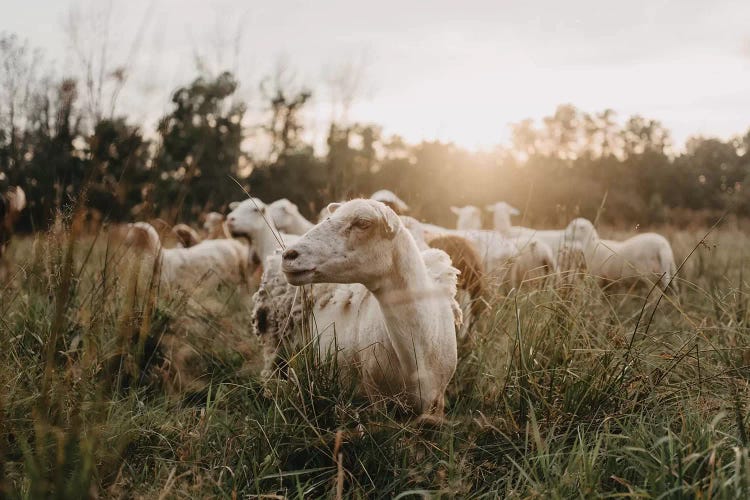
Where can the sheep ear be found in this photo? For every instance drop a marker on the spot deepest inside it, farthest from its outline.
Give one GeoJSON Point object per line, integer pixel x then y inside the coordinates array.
{"type": "Point", "coordinates": [489, 208]}
{"type": "Point", "coordinates": [456, 210]}
{"type": "Point", "coordinates": [513, 211]}
{"type": "Point", "coordinates": [332, 207]}
{"type": "Point", "coordinates": [234, 205]}
{"type": "Point", "coordinates": [390, 222]}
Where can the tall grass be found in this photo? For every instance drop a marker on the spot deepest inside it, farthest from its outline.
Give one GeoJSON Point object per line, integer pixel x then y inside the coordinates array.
{"type": "Point", "coordinates": [116, 387]}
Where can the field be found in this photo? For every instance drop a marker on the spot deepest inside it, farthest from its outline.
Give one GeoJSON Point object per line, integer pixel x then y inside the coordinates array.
{"type": "Point", "coordinates": [114, 388]}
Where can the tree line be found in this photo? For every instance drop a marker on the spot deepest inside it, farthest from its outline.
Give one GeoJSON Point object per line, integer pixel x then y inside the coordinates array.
{"type": "Point", "coordinates": [567, 164]}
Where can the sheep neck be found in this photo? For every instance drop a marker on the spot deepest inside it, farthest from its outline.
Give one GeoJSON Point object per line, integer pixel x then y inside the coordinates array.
{"type": "Point", "coordinates": [409, 320]}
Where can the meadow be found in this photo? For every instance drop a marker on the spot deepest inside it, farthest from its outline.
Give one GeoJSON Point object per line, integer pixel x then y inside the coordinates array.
{"type": "Point", "coordinates": [115, 388]}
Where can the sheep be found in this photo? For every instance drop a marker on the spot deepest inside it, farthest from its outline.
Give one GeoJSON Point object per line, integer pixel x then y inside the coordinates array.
{"type": "Point", "coordinates": [501, 214]}
{"type": "Point", "coordinates": [186, 235]}
{"type": "Point", "coordinates": [250, 218]}
{"type": "Point", "coordinates": [636, 259]}
{"type": "Point", "coordinates": [11, 206]}
{"type": "Point", "coordinates": [215, 226]}
{"type": "Point", "coordinates": [390, 199]}
{"type": "Point", "coordinates": [386, 309]}
{"type": "Point", "coordinates": [287, 218]}
{"type": "Point", "coordinates": [210, 262]}
{"type": "Point", "coordinates": [469, 218]}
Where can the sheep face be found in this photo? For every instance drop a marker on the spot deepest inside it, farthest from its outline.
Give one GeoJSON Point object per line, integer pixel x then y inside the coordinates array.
{"type": "Point", "coordinates": [582, 230]}
{"type": "Point", "coordinates": [469, 217]}
{"type": "Point", "coordinates": [247, 217]}
{"type": "Point", "coordinates": [284, 213]}
{"type": "Point", "coordinates": [353, 245]}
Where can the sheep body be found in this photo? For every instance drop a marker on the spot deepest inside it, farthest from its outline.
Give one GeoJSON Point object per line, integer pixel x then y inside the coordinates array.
{"type": "Point", "coordinates": [641, 257]}
{"type": "Point", "coordinates": [210, 262]}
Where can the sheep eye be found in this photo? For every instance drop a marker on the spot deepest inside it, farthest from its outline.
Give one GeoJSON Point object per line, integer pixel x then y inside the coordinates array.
{"type": "Point", "coordinates": [362, 223]}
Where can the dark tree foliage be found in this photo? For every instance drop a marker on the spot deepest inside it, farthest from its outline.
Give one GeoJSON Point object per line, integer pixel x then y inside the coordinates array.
{"type": "Point", "coordinates": [200, 150]}
{"type": "Point", "coordinates": [567, 164]}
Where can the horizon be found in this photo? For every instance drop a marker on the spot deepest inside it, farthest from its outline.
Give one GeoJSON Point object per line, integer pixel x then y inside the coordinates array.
{"type": "Point", "coordinates": [454, 74]}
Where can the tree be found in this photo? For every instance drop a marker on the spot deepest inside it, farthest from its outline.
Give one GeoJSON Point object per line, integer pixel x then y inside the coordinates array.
{"type": "Point", "coordinates": [201, 146]}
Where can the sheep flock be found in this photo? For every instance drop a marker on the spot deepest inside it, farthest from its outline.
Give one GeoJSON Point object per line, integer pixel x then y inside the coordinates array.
{"type": "Point", "coordinates": [392, 296]}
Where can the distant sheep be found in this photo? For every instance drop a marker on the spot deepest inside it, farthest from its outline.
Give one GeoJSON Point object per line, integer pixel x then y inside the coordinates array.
{"type": "Point", "coordinates": [209, 262]}
{"type": "Point", "coordinates": [643, 257]}
{"type": "Point", "coordinates": [287, 218]}
{"type": "Point", "coordinates": [251, 218]}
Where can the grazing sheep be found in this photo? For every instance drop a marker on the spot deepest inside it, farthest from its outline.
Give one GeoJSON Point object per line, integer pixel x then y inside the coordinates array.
{"type": "Point", "coordinates": [209, 262]}
{"type": "Point", "coordinates": [505, 260]}
{"type": "Point", "coordinates": [469, 218]}
{"type": "Point", "coordinates": [186, 235]}
{"type": "Point", "coordinates": [287, 218]}
{"type": "Point", "coordinates": [501, 213]}
{"type": "Point", "coordinates": [640, 258]}
{"type": "Point", "coordinates": [250, 218]}
{"type": "Point", "coordinates": [215, 226]}
{"type": "Point", "coordinates": [391, 319]}
{"type": "Point", "coordinates": [390, 199]}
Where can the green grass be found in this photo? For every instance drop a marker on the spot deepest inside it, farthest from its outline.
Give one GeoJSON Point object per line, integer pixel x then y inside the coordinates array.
{"type": "Point", "coordinates": [114, 388]}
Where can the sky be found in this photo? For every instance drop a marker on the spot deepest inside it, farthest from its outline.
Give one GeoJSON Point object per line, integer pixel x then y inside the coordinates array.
{"type": "Point", "coordinates": [428, 70]}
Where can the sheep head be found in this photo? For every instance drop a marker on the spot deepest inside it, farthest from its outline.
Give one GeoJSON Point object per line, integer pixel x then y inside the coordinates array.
{"type": "Point", "coordinates": [353, 245]}
{"type": "Point", "coordinates": [247, 217]}
{"type": "Point", "coordinates": [581, 230]}
{"type": "Point", "coordinates": [284, 213]}
{"type": "Point", "coordinates": [469, 217]}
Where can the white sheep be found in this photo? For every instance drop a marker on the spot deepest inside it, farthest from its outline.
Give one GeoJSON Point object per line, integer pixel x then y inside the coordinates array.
{"type": "Point", "coordinates": [251, 219]}
{"type": "Point", "coordinates": [640, 258]}
{"type": "Point", "coordinates": [287, 218]}
{"type": "Point", "coordinates": [501, 214]}
{"type": "Point", "coordinates": [390, 199]}
{"type": "Point", "coordinates": [533, 259]}
{"type": "Point", "coordinates": [391, 319]}
{"type": "Point", "coordinates": [469, 218]}
{"type": "Point", "coordinates": [209, 263]}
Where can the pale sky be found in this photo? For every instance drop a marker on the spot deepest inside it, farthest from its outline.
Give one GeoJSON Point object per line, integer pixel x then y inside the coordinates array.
{"type": "Point", "coordinates": [456, 71]}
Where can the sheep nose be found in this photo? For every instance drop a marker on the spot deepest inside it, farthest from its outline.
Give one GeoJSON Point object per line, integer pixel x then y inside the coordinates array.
{"type": "Point", "coordinates": [290, 254]}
